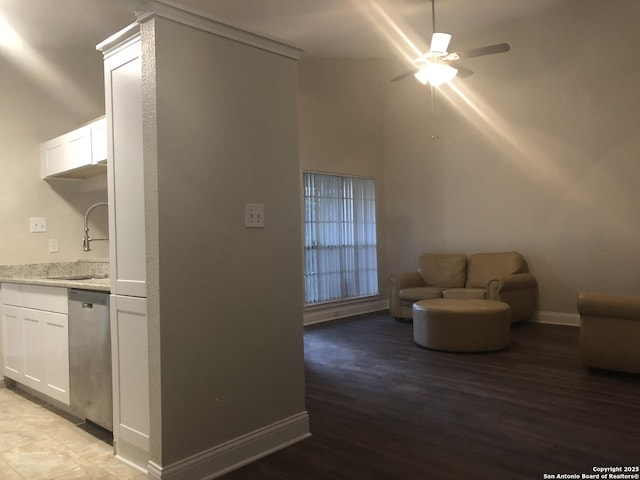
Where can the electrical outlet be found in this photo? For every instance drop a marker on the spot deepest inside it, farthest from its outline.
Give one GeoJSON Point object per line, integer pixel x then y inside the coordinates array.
{"type": "Point", "coordinates": [53, 245]}
{"type": "Point", "coordinates": [254, 215]}
{"type": "Point", "coordinates": [37, 224]}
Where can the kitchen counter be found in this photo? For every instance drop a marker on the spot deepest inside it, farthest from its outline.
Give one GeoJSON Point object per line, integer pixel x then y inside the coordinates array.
{"type": "Point", "coordinates": [101, 284]}
{"type": "Point", "coordinates": [82, 274]}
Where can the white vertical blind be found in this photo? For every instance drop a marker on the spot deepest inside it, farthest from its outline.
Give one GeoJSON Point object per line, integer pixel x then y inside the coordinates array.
{"type": "Point", "coordinates": [340, 238]}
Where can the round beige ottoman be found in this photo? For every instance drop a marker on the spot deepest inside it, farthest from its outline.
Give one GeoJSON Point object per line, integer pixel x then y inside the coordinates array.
{"type": "Point", "coordinates": [462, 325]}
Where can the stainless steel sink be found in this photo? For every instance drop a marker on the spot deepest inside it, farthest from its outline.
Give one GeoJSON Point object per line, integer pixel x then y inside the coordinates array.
{"type": "Point", "coordinates": [78, 277]}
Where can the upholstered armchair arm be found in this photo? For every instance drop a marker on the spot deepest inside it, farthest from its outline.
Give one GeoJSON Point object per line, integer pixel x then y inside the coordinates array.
{"type": "Point", "coordinates": [510, 282]}
{"type": "Point", "coordinates": [606, 305]}
{"type": "Point", "coordinates": [519, 290]}
{"type": "Point", "coordinates": [398, 281]}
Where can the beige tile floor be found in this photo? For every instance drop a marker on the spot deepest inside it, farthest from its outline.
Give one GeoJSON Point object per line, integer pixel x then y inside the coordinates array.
{"type": "Point", "coordinates": [36, 443]}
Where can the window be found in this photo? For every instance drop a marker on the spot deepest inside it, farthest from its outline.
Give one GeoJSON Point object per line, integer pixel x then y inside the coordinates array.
{"type": "Point", "coordinates": [340, 238]}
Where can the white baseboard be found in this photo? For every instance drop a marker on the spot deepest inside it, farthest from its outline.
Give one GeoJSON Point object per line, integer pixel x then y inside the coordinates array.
{"type": "Point", "coordinates": [130, 454]}
{"type": "Point", "coordinates": [240, 451]}
{"type": "Point", "coordinates": [342, 310]}
{"type": "Point", "coordinates": [557, 318]}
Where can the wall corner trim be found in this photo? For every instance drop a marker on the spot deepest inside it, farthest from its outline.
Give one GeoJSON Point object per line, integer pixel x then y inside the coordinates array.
{"type": "Point", "coordinates": [217, 461]}
{"type": "Point", "coordinates": [177, 12]}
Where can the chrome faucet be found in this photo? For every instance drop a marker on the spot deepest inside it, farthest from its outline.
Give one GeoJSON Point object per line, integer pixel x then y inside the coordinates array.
{"type": "Point", "coordinates": [86, 242]}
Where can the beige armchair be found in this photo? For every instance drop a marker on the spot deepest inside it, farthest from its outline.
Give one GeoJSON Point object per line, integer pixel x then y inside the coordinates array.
{"type": "Point", "coordinates": [500, 276]}
{"type": "Point", "coordinates": [436, 273]}
{"type": "Point", "coordinates": [610, 331]}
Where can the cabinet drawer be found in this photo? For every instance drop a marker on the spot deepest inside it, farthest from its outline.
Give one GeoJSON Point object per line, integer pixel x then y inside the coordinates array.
{"type": "Point", "coordinates": [51, 299]}
{"type": "Point", "coordinates": [11, 294]}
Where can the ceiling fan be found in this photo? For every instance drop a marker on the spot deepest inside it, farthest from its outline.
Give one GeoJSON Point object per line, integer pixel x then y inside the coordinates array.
{"type": "Point", "coordinates": [439, 66]}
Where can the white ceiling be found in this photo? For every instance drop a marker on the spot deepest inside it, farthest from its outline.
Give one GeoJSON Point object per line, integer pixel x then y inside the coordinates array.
{"type": "Point", "coordinates": [334, 28]}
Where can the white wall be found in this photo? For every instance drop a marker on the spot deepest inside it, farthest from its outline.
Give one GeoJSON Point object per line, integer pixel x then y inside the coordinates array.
{"type": "Point", "coordinates": [542, 159]}
{"type": "Point", "coordinates": [39, 104]}
{"type": "Point", "coordinates": [340, 118]}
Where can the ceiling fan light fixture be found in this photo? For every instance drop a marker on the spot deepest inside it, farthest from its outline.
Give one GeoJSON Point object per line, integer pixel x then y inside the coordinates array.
{"type": "Point", "coordinates": [436, 74]}
{"type": "Point", "coordinates": [433, 67]}
{"type": "Point", "coordinates": [423, 75]}
{"type": "Point", "coordinates": [441, 74]}
{"type": "Point", "coordinates": [440, 43]}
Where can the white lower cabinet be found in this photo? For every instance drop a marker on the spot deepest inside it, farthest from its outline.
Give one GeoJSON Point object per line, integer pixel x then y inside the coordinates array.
{"type": "Point", "coordinates": [36, 339]}
{"type": "Point", "coordinates": [130, 366]}
{"type": "Point", "coordinates": [12, 342]}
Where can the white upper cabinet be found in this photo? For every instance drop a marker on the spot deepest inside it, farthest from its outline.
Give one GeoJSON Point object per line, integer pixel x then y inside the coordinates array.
{"type": "Point", "coordinates": [80, 153]}
{"type": "Point", "coordinates": [99, 141]}
{"type": "Point", "coordinates": [123, 73]}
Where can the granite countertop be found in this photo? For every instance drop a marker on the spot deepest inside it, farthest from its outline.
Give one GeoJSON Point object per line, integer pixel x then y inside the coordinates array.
{"type": "Point", "coordinates": [82, 274]}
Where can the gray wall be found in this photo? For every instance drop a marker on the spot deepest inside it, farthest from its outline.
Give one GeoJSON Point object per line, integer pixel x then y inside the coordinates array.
{"type": "Point", "coordinates": [225, 307]}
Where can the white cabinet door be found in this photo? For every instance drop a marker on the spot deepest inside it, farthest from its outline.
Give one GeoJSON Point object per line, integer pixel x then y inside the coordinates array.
{"type": "Point", "coordinates": [78, 148]}
{"type": "Point", "coordinates": [34, 349]}
{"type": "Point", "coordinates": [130, 367]}
{"type": "Point", "coordinates": [99, 141]}
{"type": "Point", "coordinates": [12, 341]}
{"type": "Point", "coordinates": [125, 172]}
{"type": "Point", "coordinates": [56, 348]}
{"type": "Point", "coordinates": [52, 157]}
{"type": "Point", "coordinates": [45, 337]}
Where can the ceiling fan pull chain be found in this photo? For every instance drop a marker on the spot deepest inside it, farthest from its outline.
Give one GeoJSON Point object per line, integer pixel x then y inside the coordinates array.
{"type": "Point", "coordinates": [434, 100]}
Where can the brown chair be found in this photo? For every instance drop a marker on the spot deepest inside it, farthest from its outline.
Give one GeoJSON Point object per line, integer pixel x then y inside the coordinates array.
{"type": "Point", "coordinates": [610, 331]}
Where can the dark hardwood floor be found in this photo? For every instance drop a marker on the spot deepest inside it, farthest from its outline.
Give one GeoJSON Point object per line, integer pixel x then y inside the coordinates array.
{"type": "Point", "coordinates": [383, 408]}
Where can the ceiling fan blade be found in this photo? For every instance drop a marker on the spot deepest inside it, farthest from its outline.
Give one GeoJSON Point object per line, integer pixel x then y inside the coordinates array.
{"type": "Point", "coordinates": [463, 72]}
{"type": "Point", "coordinates": [487, 50]}
{"type": "Point", "coordinates": [404, 75]}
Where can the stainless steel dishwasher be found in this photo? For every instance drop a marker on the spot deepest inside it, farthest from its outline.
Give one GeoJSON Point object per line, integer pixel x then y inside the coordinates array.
{"type": "Point", "coordinates": [90, 388]}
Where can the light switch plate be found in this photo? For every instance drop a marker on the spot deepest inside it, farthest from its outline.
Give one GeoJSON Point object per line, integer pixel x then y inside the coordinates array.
{"type": "Point", "coordinates": [53, 245]}
{"type": "Point", "coordinates": [254, 215]}
{"type": "Point", "coordinates": [37, 224]}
